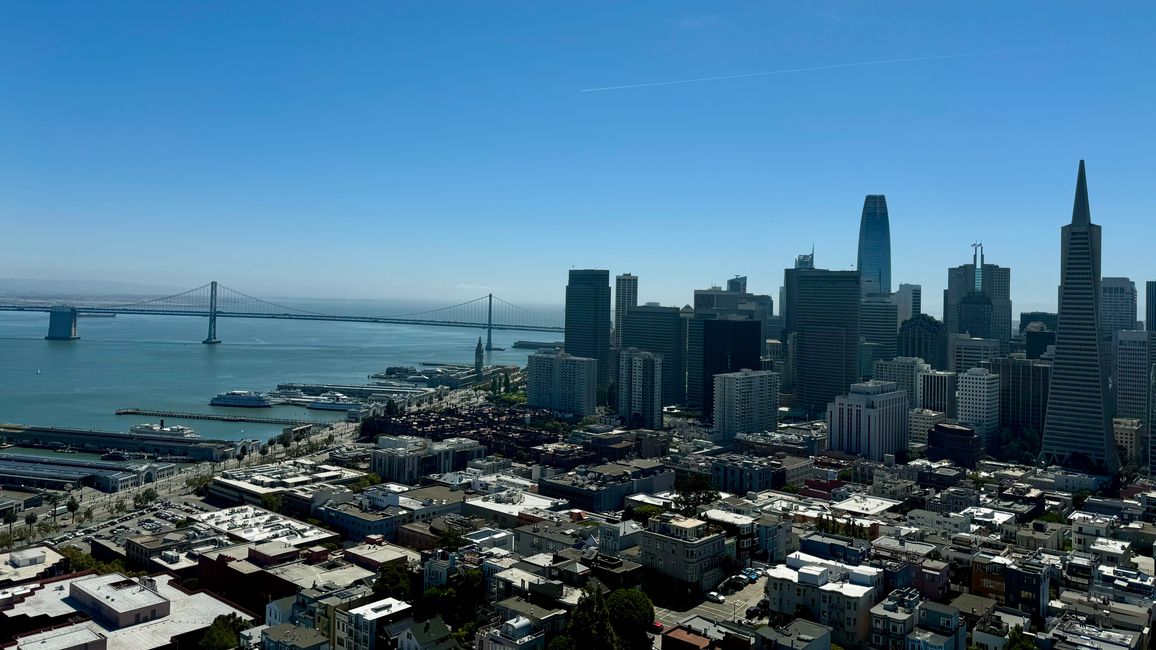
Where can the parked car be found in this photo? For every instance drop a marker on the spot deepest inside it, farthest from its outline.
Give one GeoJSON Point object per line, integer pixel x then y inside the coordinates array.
{"type": "Point", "coordinates": [656, 627]}
{"type": "Point", "coordinates": [754, 611]}
{"type": "Point", "coordinates": [715, 597]}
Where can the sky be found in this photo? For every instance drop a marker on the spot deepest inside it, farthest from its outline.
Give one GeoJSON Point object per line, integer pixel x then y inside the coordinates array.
{"type": "Point", "coordinates": [443, 150]}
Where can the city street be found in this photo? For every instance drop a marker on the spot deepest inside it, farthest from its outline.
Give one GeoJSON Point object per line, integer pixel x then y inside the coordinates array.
{"type": "Point", "coordinates": [733, 609]}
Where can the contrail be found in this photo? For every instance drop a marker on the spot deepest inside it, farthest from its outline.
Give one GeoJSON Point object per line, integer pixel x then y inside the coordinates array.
{"type": "Point", "coordinates": [816, 68]}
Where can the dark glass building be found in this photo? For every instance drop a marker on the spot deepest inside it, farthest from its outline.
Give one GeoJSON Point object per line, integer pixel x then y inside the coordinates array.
{"type": "Point", "coordinates": [992, 280]}
{"type": "Point", "coordinates": [588, 318]}
{"type": "Point", "coordinates": [728, 345]}
{"type": "Point", "coordinates": [874, 246]}
{"type": "Point", "coordinates": [924, 337]}
{"type": "Point", "coordinates": [878, 320]}
{"type": "Point", "coordinates": [826, 358]}
{"type": "Point", "coordinates": [1078, 429]}
{"type": "Point", "coordinates": [1023, 392]}
{"type": "Point", "coordinates": [975, 315]}
{"type": "Point", "coordinates": [661, 330]}
{"type": "Point", "coordinates": [954, 442]}
{"type": "Point", "coordinates": [1150, 305]}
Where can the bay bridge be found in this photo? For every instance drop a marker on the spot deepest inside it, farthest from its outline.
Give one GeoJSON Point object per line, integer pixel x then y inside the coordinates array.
{"type": "Point", "coordinates": [213, 301]}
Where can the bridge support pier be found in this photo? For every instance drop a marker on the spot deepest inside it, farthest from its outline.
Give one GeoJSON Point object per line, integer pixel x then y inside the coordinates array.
{"type": "Point", "coordinates": [212, 339]}
{"type": "Point", "coordinates": [62, 324]}
{"type": "Point", "coordinates": [490, 324]}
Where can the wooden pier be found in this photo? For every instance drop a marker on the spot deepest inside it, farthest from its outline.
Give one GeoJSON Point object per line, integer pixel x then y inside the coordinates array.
{"type": "Point", "coordinates": [214, 416]}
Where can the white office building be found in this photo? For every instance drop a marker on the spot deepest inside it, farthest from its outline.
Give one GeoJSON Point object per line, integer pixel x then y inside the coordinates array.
{"type": "Point", "coordinates": [746, 401]}
{"type": "Point", "coordinates": [977, 400]}
{"type": "Point", "coordinates": [965, 352]}
{"type": "Point", "coordinates": [870, 421]}
{"type": "Point", "coordinates": [921, 421]}
{"type": "Point", "coordinates": [1133, 374]}
{"type": "Point", "coordinates": [937, 391]}
{"type": "Point", "coordinates": [904, 371]}
{"type": "Point", "coordinates": [561, 382]}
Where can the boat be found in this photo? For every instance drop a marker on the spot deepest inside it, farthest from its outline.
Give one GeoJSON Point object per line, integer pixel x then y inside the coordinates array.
{"type": "Point", "coordinates": [286, 393]}
{"type": "Point", "coordinates": [333, 401]}
{"type": "Point", "coordinates": [241, 399]}
{"type": "Point", "coordinates": [173, 431]}
{"type": "Point", "coordinates": [123, 455]}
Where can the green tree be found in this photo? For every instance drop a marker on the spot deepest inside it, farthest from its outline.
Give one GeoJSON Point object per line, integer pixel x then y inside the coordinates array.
{"type": "Point", "coordinates": [199, 484]}
{"type": "Point", "coordinates": [642, 514]}
{"type": "Point", "coordinates": [54, 500]}
{"type": "Point", "coordinates": [1017, 640]}
{"type": "Point", "coordinates": [395, 581]}
{"type": "Point", "coordinates": [560, 642]}
{"type": "Point", "coordinates": [120, 505]}
{"type": "Point", "coordinates": [271, 501]}
{"type": "Point", "coordinates": [73, 505]}
{"type": "Point", "coordinates": [224, 633]}
{"type": "Point", "coordinates": [10, 518]}
{"type": "Point", "coordinates": [692, 491]}
{"type": "Point", "coordinates": [631, 614]}
{"type": "Point", "coordinates": [590, 623]}
{"type": "Point", "coordinates": [6, 540]}
{"type": "Point", "coordinates": [30, 519]}
{"type": "Point", "coordinates": [88, 515]}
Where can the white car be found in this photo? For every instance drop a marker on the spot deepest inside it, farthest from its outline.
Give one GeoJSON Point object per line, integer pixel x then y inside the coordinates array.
{"type": "Point", "coordinates": [716, 597]}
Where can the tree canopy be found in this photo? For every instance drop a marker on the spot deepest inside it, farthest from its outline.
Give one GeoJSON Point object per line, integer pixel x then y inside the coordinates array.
{"type": "Point", "coordinates": [590, 623]}
{"type": "Point", "coordinates": [223, 633]}
{"type": "Point", "coordinates": [631, 614]}
{"type": "Point", "coordinates": [693, 491]}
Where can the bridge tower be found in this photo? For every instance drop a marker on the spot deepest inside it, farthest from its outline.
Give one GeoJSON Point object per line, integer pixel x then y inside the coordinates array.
{"type": "Point", "coordinates": [212, 339]}
{"type": "Point", "coordinates": [490, 324]}
{"type": "Point", "coordinates": [62, 324]}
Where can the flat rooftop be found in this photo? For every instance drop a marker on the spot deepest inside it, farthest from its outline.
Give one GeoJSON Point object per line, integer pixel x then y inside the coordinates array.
{"type": "Point", "coordinates": [118, 592]}
{"type": "Point", "coordinates": [253, 524]}
{"type": "Point", "coordinates": [380, 608]}
{"type": "Point", "coordinates": [42, 557]}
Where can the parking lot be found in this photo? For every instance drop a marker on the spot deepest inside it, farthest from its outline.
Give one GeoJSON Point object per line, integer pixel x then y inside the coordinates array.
{"type": "Point", "coordinates": [734, 609]}
{"type": "Point", "coordinates": [158, 518]}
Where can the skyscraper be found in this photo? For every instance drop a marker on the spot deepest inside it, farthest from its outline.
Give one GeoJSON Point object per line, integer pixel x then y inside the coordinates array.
{"type": "Point", "coordinates": [746, 401]}
{"type": "Point", "coordinates": [869, 421]}
{"type": "Point", "coordinates": [789, 307]}
{"type": "Point", "coordinates": [1150, 306]}
{"type": "Point", "coordinates": [992, 280]}
{"type": "Point", "coordinates": [1078, 430]}
{"type": "Point", "coordinates": [826, 358]}
{"type": "Point", "coordinates": [561, 382]}
{"type": "Point", "coordinates": [588, 319]}
{"type": "Point", "coordinates": [908, 302]}
{"type": "Point", "coordinates": [904, 371]}
{"type": "Point", "coordinates": [728, 345]}
{"type": "Point", "coordinates": [874, 246]}
{"type": "Point", "coordinates": [737, 284]}
{"type": "Point", "coordinates": [1133, 368]}
{"type": "Point", "coordinates": [640, 388]}
{"type": "Point", "coordinates": [937, 392]}
{"type": "Point", "coordinates": [924, 337]}
{"type": "Point", "coordinates": [625, 298]}
{"type": "Point", "coordinates": [877, 326]}
{"type": "Point", "coordinates": [977, 401]}
{"type": "Point", "coordinates": [965, 352]}
{"type": "Point", "coordinates": [661, 330]}
{"type": "Point", "coordinates": [1117, 305]}
{"type": "Point", "coordinates": [1023, 392]}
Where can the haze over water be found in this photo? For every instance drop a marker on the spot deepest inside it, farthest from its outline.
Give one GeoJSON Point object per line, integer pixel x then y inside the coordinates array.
{"type": "Point", "coordinates": [159, 362]}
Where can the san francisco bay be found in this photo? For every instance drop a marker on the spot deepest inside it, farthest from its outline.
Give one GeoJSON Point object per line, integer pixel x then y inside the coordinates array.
{"type": "Point", "coordinates": [159, 363]}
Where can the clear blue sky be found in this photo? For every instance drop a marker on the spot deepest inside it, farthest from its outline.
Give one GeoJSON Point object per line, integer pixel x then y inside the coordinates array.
{"type": "Point", "coordinates": [413, 149]}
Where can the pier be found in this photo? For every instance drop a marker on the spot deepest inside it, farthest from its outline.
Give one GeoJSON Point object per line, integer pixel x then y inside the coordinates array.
{"type": "Point", "coordinates": [219, 418]}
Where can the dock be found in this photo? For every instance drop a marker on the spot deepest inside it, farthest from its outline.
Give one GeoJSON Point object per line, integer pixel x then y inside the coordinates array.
{"type": "Point", "coordinates": [219, 418]}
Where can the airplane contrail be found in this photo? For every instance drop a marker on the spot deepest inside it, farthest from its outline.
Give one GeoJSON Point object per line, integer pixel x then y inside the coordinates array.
{"type": "Point", "coordinates": [816, 68]}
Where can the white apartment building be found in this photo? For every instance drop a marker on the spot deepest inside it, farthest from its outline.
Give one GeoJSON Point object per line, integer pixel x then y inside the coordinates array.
{"type": "Point", "coordinates": [836, 595]}
{"type": "Point", "coordinates": [746, 401]}
{"type": "Point", "coordinates": [562, 382]}
{"type": "Point", "coordinates": [640, 388]}
{"type": "Point", "coordinates": [977, 402]}
{"type": "Point", "coordinates": [870, 421]}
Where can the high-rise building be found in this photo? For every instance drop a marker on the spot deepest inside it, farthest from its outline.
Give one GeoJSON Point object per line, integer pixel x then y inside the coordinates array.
{"type": "Point", "coordinates": [977, 403]}
{"type": "Point", "coordinates": [992, 280]}
{"type": "Point", "coordinates": [905, 372]}
{"type": "Point", "coordinates": [789, 308]}
{"type": "Point", "coordinates": [877, 327]}
{"type": "Point", "coordinates": [661, 330]}
{"type": "Point", "coordinates": [965, 353]}
{"type": "Point", "coordinates": [1117, 305]}
{"type": "Point", "coordinates": [562, 382]}
{"type": "Point", "coordinates": [937, 391]}
{"type": "Point", "coordinates": [924, 337]}
{"type": "Point", "coordinates": [640, 388]}
{"type": "Point", "coordinates": [1129, 435]}
{"type": "Point", "coordinates": [1150, 306]}
{"type": "Point", "coordinates": [728, 345]}
{"type": "Point", "coordinates": [727, 303]}
{"type": "Point", "coordinates": [746, 401]}
{"type": "Point", "coordinates": [874, 246]}
{"type": "Point", "coordinates": [1023, 392]}
{"type": "Point", "coordinates": [1047, 318]}
{"type": "Point", "coordinates": [908, 302]}
{"type": "Point", "coordinates": [976, 315]}
{"type": "Point", "coordinates": [1133, 371]}
{"type": "Point", "coordinates": [869, 421]}
{"type": "Point", "coordinates": [921, 422]}
{"type": "Point", "coordinates": [827, 337]}
{"type": "Point", "coordinates": [1078, 429]}
{"type": "Point", "coordinates": [959, 443]}
{"type": "Point", "coordinates": [588, 319]}
{"type": "Point", "coordinates": [737, 284]}
{"type": "Point", "coordinates": [625, 299]}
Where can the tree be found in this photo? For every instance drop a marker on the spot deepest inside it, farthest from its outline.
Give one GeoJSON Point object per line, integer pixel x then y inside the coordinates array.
{"type": "Point", "coordinates": [271, 501]}
{"type": "Point", "coordinates": [30, 519]}
{"type": "Point", "coordinates": [560, 642]}
{"type": "Point", "coordinates": [55, 501]}
{"type": "Point", "coordinates": [590, 623]}
{"type": "Point", "coordinates": [10, 518]}
{"type": "Point", "coordinates": [6, 540]}
{"type": "Point", "coordinates": [199, 484]}
{"type": "Point", "coordinates": [88, 515]}
{"type": "Point", "coordinates": [1017, 640]}
{"type": "Point", "coordinates": [368, 481]}
{"type": "Point", "coordinates": [73, 506]}
{"type": "Point", "coordinates": [692, 491]}
{"type": "Point", "coordinates": [119, 506]}
{"type": "Point", "coordinates": [631, 614]}
{"type": "Point", "coordinates": [642, 514]}
{"type": "Point", "coordinates": [223, 633]}
{"type": "Point", "coordinates": [395, 581]}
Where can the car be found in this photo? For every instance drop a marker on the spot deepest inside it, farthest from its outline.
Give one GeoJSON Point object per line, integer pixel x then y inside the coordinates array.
{"type": "Point", "coordinates": [754, 611]}
{"type": "Point", "coordinates": [656, 627]}
{"type": "Point", "coordinates": [716, 597]}
{"type": "Point", "coordinates": [752, 575]}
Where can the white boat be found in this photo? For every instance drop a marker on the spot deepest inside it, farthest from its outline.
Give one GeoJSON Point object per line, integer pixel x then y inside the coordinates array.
{"type": "Point", "coordinates": [174, 431]}
{"type": "Point", "coordinates": [241, 398]}
{"type": "Point", "coordinates": [333, 401]}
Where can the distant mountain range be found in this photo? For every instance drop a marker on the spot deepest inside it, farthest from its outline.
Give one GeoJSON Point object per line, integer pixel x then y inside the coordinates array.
{"type": "Point", "coordinates": [37, 288]}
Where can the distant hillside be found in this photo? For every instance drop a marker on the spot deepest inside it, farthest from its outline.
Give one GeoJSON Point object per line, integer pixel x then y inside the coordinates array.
{"type": "Point", "coordinates": [35, 288]}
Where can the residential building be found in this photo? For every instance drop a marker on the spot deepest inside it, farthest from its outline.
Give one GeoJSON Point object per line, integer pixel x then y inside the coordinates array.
{"type": "Point", "coordinates": [625, 299]}
{"type": "Point", "coordinates": [924, 337]}
{"type": "Point", "coordinates": [588, 320]}
{"type": "Point", "coordinates": [960, 444]}
{"type": "Point", "coordinates": [684, 552]}
{"type": "Point", "coordinates": [870, 421]}
{"type": "Point", "coordinates": [603, 488]}
{"type": "Point", "coordinates": [363, 627]}
{"type": "Point", "coordinates": [937, 392]}
{"type": "Point", "coordinates": [799, 634]}
{"type": "Point", "coordinates": [940, 627]}
{"type": "Point", "coordinates": [1023, 392]}
{"type": "Point", "coordinates": [1078, 431]}
{"type": "Point", "coordinates": [893, 618]}
{"type": "Point", "coordinates": [904, 371]}
{"type": "Point", "coordinates": [977, 403]}
{"type": "Point", "coordinates": [826, 354]}
{"type": "Point", "coordinates": [921, 421]}
{"type": "Point", "coordinates": [433, 634]}
{"type": "Point", "coordinates": [407, 459]}
{"type": "Point", "coordinates": [990, 280]}
{"type": "Point", "coordinates": [562, 382]}
{"type": "Point", "coordinates": [1117, 305]}
{"type": "Point", "coordinates": [517, 633]}
{"type": "Point", "coordinates": [874, 263]}
{"type": "Point", "coordinates": [640, 388]}
{"type": "Point", "coordinates": [832, 594]}
{"type": "Point", "coordinates": [662, 331]}
{"type": "Point", "coordinates": [746, 401]}
{"type": "Point", "coordinates": [908, 303]}
{"type": "Point", "coordinates": [289, 636]}
{"type": "Point", "coordinates": [1130, 435]}
{"type": "Point", "coordinates": [965, 352]}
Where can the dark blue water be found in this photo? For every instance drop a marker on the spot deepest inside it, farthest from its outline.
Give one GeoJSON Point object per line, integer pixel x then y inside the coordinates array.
{"type": "Point", "coordinates": [158, 362]}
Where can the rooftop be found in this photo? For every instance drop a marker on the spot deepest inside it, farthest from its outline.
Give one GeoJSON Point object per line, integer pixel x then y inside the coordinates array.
{"type": "Point", "coordinates": [253, 524]}
{"type": "Point", "coordinates": [862, 504]}
{"type": "Point", "coordinates": [117, 592]}
{"type": "Point", "coordinates": [380, 608]}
